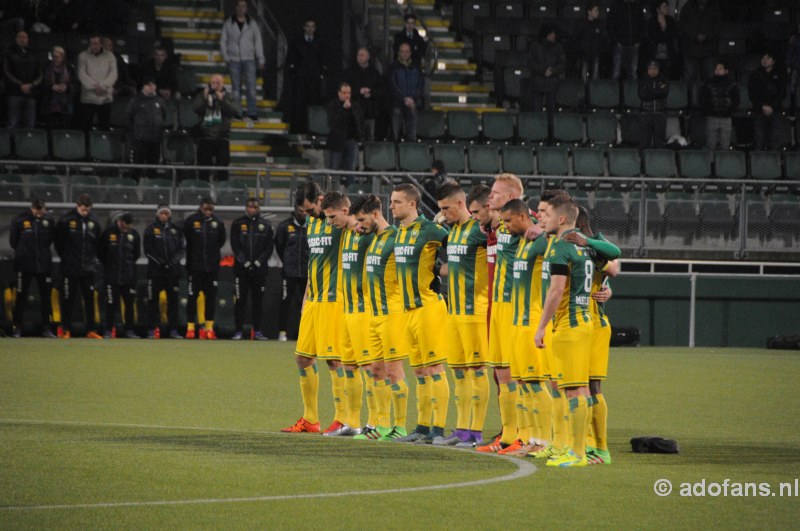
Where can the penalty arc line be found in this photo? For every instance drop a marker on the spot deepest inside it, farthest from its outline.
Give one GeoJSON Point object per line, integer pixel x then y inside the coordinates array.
{"type": "Point", "coordinates": [524, 469]}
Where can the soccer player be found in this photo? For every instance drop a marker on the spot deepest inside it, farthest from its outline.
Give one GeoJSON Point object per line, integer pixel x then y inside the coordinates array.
{"type": "Point", "coordinates": [416, 245]}
{"type": "Point", "coordinates": [468, 302]}
{"type": "Point", "coordinates": [321, 318]}
{"type": "Point", "coordinates": [354, 330]}
{"type": "Point", "coordinates": [477, 200]}
{"type": "Point", "coordinates": [387, 345]}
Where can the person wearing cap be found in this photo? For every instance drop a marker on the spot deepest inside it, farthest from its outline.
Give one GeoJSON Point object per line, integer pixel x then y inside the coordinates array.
{"type": "Point", "coordinates": [205, 236]}
{"type": "Point", "coordinates": [147, 117]}
{"type": "Point", "coordinates": [252, 241]}
{"type": "Point", "coordinates": [164, 248]}
{"type": "Point", "coordinates": [653, 89]}
{"type": "Point", "coordinates": [118, 250]}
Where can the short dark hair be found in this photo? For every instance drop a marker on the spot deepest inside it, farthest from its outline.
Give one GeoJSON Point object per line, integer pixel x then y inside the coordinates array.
{"type": "Point", "coordinates": [583, 221]}
{"type": "Point", "coordinates": [411, 191]}
{"type": "Point", "coordinates": [84, 200]}
{"type": "Point", "coordinates": [308, 191]}
{"type": "Point", "coordinates": [365, 203]}
{"type": "Point", "coordinates": [547, 195]}
{"type": "Point", "coordinates": [342, 84]}
{"type": "Point", "coordinates": [448, 189]}
{"type": "Point", "coordinates": [206, 200]}
{"type": "Point", "coordinates": [592, 4]}
{"type": "Point", "coordinates": [37, 203]}
{"type": "Point", "coordinates": [516, 206]}
{"type": "Point", "coordinates": [439, 166]}
{"type": "Point", "coordinates": [252, 200]}
{"type": "Point", "coordinates": [479, 193]}
{"type": "Point", "coordinates": [408, 16]}
{"type": "Point", "coordinates": [334, 200]}
{"type": "Point", "coordinates": [126, 218]}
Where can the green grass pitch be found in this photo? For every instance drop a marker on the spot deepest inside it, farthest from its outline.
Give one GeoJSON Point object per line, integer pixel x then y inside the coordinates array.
{"type": "Point", "coordinates": [111, 433]}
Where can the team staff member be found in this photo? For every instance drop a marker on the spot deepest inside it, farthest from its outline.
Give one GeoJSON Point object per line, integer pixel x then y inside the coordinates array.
{"type": "Point", "coordinates": [164, 247]}
{"type": "Point", "coordinates": [252, 241]}
{"type": "Point", "coordinates": [32, 233]}
{"type": "Point", "coordinates": [77, 236]}
{"type": "Point", "coordinates": [119, 249]}
{"type": "Point", "coordinates": [205, 236]}
{"type": "Point", "coordinates": [292, 246]}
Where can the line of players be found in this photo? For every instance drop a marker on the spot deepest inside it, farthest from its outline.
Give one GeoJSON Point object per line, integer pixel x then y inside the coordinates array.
{"type": "Point", "coordinates": [525, 297]}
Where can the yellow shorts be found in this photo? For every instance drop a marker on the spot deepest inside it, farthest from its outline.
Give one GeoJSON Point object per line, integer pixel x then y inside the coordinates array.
{"type": "Point", "coordinates": [528, 363]}
{"type": "Point", "coordinates": [386, 339]}
{"type": "Point", "coordinates": [467, 341]}
{"type": "Point", "coordinates": [500, 341]}
{"type": "Point", "coordinates": [320, 326]}
{"type": "Point", "coordinates": [355, 330]}
{"type": "Point", "coordinates": [424, 332]}
{"type": "Point", "coordinates": [598, 361]}
{"type": "Point", "coordinates": [572, 349]}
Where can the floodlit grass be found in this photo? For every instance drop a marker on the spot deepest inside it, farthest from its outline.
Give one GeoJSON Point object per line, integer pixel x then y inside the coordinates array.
{"type": "Point", "coordinates": [91, 422]}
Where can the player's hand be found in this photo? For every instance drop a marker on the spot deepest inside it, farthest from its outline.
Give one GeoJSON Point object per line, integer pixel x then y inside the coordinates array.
{"type": "Point", "coordinates": [539, 339]}
{"type": "Point", "coordinates": [602, 296]}
{"type": "Point", "coordinates": [533, 232]}
{"type": "Point", "coordinates": [574, 237]}
{"type": "Point", "coordinates": [439, 218]}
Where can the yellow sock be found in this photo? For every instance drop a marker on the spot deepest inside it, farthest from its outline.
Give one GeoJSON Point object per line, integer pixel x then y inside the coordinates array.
{"type": "Point", "coordinates": [440, 399]}
{"type": "Point", "coordinates": [383, 402]}
{"type": "Point", "coordinates": [369, 385]}
{"type": "Point", "coordinates": [591, 441]}
{"type": "Point", "coordinates": [190, 327]}
{"type": "Point", "coordinates": [480, 398]}
{"type": "Point", "coordinates": [424, 406]}
{"type": "Point", "coordinates": [600, 422]}
{"type": "Point", "coordinates": [560, 424]}
{"type": "Point", "coordinates": [578, 411]}
{"type": "Point", "coordinates": [400, 402]}
{"type": "Point", "coordinates": [309, 385]}
{"type": "Point", "coordinates": [523, 430]}
{"type": "Point", "coordinates": [508, 411]}
{"type": "Point", "coordinates": [337, 388]}
{"type": "Point", "coordinates": [543, 411]}
{"type": "Point", "coordinates": [463, 392]}
{"type": "Point", "coordinates": [530, 415]}
{"type": "Point", "coordinates": [209, 325]}
{"type": "Point", "coordinates": [353, 389]}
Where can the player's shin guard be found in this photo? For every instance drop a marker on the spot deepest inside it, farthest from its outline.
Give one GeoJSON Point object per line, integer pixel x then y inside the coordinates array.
{"type": "Point", "coordinates": [480, 399]}
{"type": "Point", "coordinates": [523, 430]}
{"type": "Point", "coordinates": [440, 399]}
{"type": "Point", "coordinates": [369, 390]}
{"type": "Point", "coordinates": [578, 411]}
{"type": "Point", "coordinates": [600, 422]}
{"type": "Point", "coordinates": [400, 402]}
{"type": "Point", "coordinates": [424, 406]}
{"type": "Point", "coordinates": [309, 385]}
{"type": "Point", "coordinates": [508, 411]}
{"type": "Point", "coordinates": [543, 411]}
{"type": "Point", "coordinates": [383, 401]}
{"type": "Point", "coordinates": [463, 396]}
{"type": "Point", "coordinates": [337, 388]}
{"type": "Point", "coordinates": [560, 419]}
{"type": "Point", "coordinates": [353, 387]}
{"type": "Point", "coordinates": [530, 415]}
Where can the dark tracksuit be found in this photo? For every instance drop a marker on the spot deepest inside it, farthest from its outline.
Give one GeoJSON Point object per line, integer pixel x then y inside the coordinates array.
{"type": "Point", "coordinates": [76, 242]}
{"type": "Point", "coordinates": [292, 246]}
{"type": "Point", "coordinates": [164, 247]}
{"type": "Point", "coordinates": [653, 95]}
{"type": "Point", "coordinates": [119, 251]}
{"type": "Point", "coordinates": [205, 236]}
{"type": "Point", "coordinates": [252, 241]}
{"type": "Point", "coordinates": [31, 238]}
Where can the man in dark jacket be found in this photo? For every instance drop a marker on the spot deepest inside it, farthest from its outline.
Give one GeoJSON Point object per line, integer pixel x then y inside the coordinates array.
{"type": "Point", "coordinates": [653, 89]}
{"type": "Point", "coordinates": [164, 247]}
{"type": "Point", "coordinates": [766, 87]}
{"type": "Point", "coordinates": [547, 63]}
{"type": "Point", "coordinates": [699, 28]}
{"type": "Point", "coordinates": [162, 71]}
{"type": "Point", "coordinates": [592, 40]}
{"type": "Point", "coordinates": [346, 124]}
{"type": "Point", "coordinates": [32, 233]}
{"type": "Point", "coordinates": [205, 236]}
{"type": "Point", "coordinates": [367, 89]}
{"type": "Point", "coordinates": [23, 75]}
{"type": "Point", "coordinates": [119, 249]}
{"type": "Point", "coordinates": [216, 109]}
{"type": "Point", "coordinates": [306, 69]}
{"type": "Point", "coordinates": [718, 99]}
{"type": "Point", "coordinates": [626, 27]}
{"type": "Point", "coordinates": [406, 84]}
{"type": "Point", "coordinates": [147, 117]}
{"type": "Point", "coordinates": [410, 35]}
{"type": "Point", "coordinates": [77, 238]}
{"type": "Point", "coordinates": [252, 242]}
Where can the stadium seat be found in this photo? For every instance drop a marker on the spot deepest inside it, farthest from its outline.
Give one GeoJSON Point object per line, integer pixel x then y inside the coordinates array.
{"type": "Point", "coordinates": [84, 184]}
{"type": "Point", "coordinates": [765, 165]}
{"type": "Point", "coordinates": [492, 42]}
{"type": "Point", "coordinates": [509, 9]}
{"type": "Point", "coordinates": [498, 126]}
{"type": "Point", "coordinates": [589, 161]}
{"type": "Point", "coordinates": [463, 125]}
{"type": "Point", "coordinates": [695, 163]}
{"type": "Point", "coordinates": [233, 192]}
{"type": "Point", "coordinates": [791, 161]}
{"type": "Point", "coordinates": [677, 97]}
{"type": "Point", "coordinates": [68, 144]}
{"type": "Point", "coordinates": [601, 128]}
{"type": "Point", "coordinates": [659, 163]}
{"type": "Point", "coordinates": [157, 191]}
{"type": "Point", "coordinates": [414, 156]}
{"type": "Point", "coordinates": [31, 144]}
{"type": "Point", "coordinates": [730, 164]}
{"type": "Point", "coordinates": [191, 191]}
{"type": "Point", "coordinates": [630, 128]}
{"type": "Point", "coordinates": [785, 217]}
{"type": "Point", "coordinates": [107, 146]}
{"type": "Point", "coordinates": [11, 188]}
{"type": "Point", "coordinates": [318, 121]}
{"type": "Point", "coordinates": [512, 81]}
{"type": "Point", "coordinates": [543, 9]}
{"type": "Point", "coordinates": [624, 162]}
{"type": "Point", "coordinates": [5, 144]}
{"type": "Point", "coordinates": [187, 118]}
{"type": "Point", "coordinates": [483, 158]}
{"type": "Point", "coordinates": [532, 126]}
{"type": "Point", "coordinates": [452, 155]}
{"type": "Point", "coordinates": [568, 127]}
{"type": "Point", "coordinates": [379, 156]}
{"type": "Point", "coordinates": [431, 125]}
{"type": "Point", "coordinates": [603, 94]}
{"type": "Point", "coordinates": [119, 112]}
{"type": "Point", "coordinates": [179, 148]}
{"type": "Point", "coordinates": [47, 187]}
{"type": "Point", "coordinates": [472, 10]}
{"type": "Point", "coordinates": [573, 9]}
{"type": "Point", "coordinates": [518, 160]}
{"type": "Point", "coordinates": [552, 160]}
{"type": "Point", "coordinates": [630, 93]}
{"type": "Point", "coordinates": [120, 190]}
{"type": "Point", "coordinates": [571, 94]}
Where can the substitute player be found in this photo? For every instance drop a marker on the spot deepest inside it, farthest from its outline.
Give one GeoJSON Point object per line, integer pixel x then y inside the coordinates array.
{"type": "Point", "coordinates": [468, 303]}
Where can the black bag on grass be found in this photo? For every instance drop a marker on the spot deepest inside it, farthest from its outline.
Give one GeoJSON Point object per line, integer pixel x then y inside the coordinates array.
{"type": "Point", "coordinates": [654, 445]}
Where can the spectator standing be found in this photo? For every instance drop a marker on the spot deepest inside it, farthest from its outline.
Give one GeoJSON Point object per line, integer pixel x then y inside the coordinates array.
{"type": "Point", "coordinates": [306, 70]}
{"type": "Point", "coordinates": [346, 123]}
{"type": "Point", "coordinates": [653, 89]}
{"type": "Point", "coordinates": [252, 242]}
{"type": "Point", "coordinates": [125, 85]}
{"type": "Point", "coordinates": [243, 50]}
{"type": "Point", "coordinates": [592, 39]}
{"type": "Point", "coordinates": [719, 97]}
{"type": "Point", "coordinates": [23, 75]}
{"type": "Point", "coordinates": [97, 73]}
{"type": "Point", "coordinates": [32, 233]}
{"type": "Point", "coordinates": [147, 117]}
{"type": "Point", "coordinates": [766, 88]}
{"type": "Point", "coordinates": [626, 27]}
{"type": "Point", "coordinates": [160, 69]}
{"type": "Point", "coordinates": [59, 91]}
{"type": "Point", "coordinates": [119, 249]}
{"type": "Point", "coordinates": [205, 236]}
{"type": "Point", "coordinates": [367, 89]}
{"type": "Point", "coordinates": [164, 247]}
{"type": "Point", "coordinates": [410, 35]}
{"type": "Point", "coordinates": [216, 110]}
{"type": "Point", "coordinates": [699, 28]}
{"type": "Point", "coordinates": [547, 62]}
{"type": "Point", "coordinates": [77, 237]}
{"type": "Point", "coordinates": [406, 84]}
{"type": "Point", "coordinates": [662, 39]}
